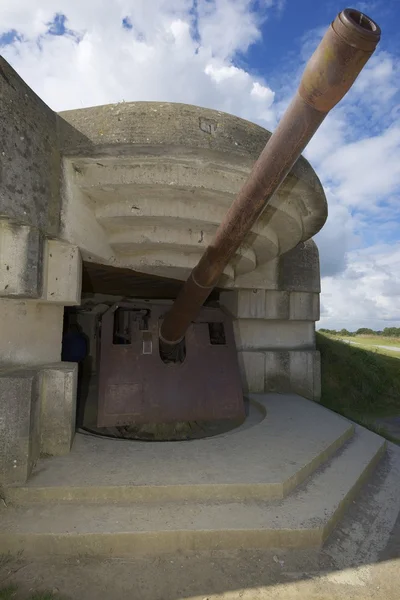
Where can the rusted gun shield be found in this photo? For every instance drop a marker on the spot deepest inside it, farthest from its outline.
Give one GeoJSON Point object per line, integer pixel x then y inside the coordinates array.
{"type": "Point", "coordinates": [136, 386]}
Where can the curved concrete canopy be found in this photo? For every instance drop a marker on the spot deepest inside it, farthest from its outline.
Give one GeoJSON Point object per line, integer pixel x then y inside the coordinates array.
{"type": "Point", "coordinates": [146, 185]}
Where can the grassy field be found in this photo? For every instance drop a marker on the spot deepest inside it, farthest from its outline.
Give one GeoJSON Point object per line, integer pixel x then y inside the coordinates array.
{"type": "Point", "coordinates": [372, 342]}
{"type": "Point", "coordinates": [359, 382]}
{"type": "Point", "coordinates": [375, 340]}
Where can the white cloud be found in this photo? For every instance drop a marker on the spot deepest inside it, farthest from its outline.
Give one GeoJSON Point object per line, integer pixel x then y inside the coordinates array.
{"type": "Point", "coordinates": [366, 294]}
{"type": "Point", "coordinates": [368, 169]}
{"type": "Point", "coordinates": [176, 50]}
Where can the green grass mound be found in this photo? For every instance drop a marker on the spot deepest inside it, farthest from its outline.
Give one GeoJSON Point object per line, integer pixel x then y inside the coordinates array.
{"type": "Point", "coordinates": [356, 382]}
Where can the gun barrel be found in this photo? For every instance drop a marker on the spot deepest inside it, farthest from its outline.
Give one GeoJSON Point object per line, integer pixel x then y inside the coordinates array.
{"type": "Point", "coordinates": [331, 71]}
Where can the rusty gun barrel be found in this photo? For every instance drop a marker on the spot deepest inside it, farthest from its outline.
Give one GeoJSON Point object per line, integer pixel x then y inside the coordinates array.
{"type": "Point", "coordinates": [331, 71]}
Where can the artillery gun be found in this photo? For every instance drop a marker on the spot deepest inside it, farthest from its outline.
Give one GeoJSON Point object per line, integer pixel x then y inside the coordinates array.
{"type": "Point", "coordinates": [164, 364]}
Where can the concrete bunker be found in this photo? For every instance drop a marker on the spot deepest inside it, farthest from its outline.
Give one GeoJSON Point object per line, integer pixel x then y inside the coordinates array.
{"type": "Point", "coordinates": [136, 192]}
{"type": "Point", "coordinates": [124, 201]}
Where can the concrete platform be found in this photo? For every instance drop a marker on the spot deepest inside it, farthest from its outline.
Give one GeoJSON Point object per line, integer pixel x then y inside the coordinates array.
{"type": "Point", "coordinates": [139, 528]}
{"type": "Point", "coordinates": [264, 461]}
{"type": "Point", "coordinates": [284, 482]}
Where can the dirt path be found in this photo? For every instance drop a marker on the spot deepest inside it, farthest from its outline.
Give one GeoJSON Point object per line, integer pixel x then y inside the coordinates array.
{"type": "Point", "coordinates": [228, 576]}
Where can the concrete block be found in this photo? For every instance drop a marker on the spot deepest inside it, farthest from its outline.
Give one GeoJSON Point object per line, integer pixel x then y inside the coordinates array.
{"type": "Point", "coordinates": [58, 408]}
{"type": "Point", "coordinates": [294, 371]}
{"type": "Point", "coordinates": [19, 425]}
{"type": "Point", "coordinates": [30, 157]}
{"type": "Point", "coordinates": [298, 269]}
{"type": "Point", "coordinates": [62, 273]}
{"type": "Point", "coordinates": [277, 371]}
{"type": "Point", "coordinates": [271, 304]}
{"type": "Point", "coordinates": [252, 366]}
{"type": "Point", "coordinates": [244, 304]}
{"type": "Point", "coordinates": [305, 374]}
{"type": "Point", "coordinates": [304, 306]}
{"type": "Point", "coordinates": [31, 332]}
{"type": "Point", "coordinates": [257, 334]}
{"type": "Point", "coordinates": [276, 305]}
{"type": "Point", "coordinates": [20, 260]}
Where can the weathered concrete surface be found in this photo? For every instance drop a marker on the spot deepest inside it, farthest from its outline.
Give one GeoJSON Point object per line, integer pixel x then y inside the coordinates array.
{"type": "Point", "coordinates": [19, 424]}
{"type": "Point", "coordinates": [295, 371]}
{"type": "Point", "coordinates": [32, 267]}
{"type": "Point", "coordinates": [21, 250]}
{"type": "Point", "coordinates": [270, 460]}
{"type": "Point", "coordinates": [299, 268]}
{"type": "Point", "coordinates": [260, 334]}
{"type": "Point", "coordinates": [360, 561]}
{"type": "Point", "coordinates": [298, 371]}
{"type": "Point", "coordinates": [30, 332]}
{"type": "Point", "coordinates": [62, 268]}
{"type": "Point", "coordinates": [58, 408]}
{"type": "Point", "coordinates": [303, 519]}
{"type": "Point", "coordinates": [252, 371]}
{"type": "Point", "coordinates": [194, 159]}
{"type": "Point", "coordinates": [271, 304]}
{"type": "Point", "coordinates": [296, 270]}
{"type": "Point", "coordinates": [29, 157]}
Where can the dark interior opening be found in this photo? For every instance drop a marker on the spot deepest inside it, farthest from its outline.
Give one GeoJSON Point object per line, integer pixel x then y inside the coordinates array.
{"type": "Point", "coordinates": [122, 332]}
{"type": "Point", "coordinates": [217, 334]}
{"type": "Point", "coordinates": [361, 20]}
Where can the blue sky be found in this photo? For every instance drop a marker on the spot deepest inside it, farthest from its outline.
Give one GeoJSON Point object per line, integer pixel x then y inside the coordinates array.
{"type": "Point", "coordinates": [244, 57]}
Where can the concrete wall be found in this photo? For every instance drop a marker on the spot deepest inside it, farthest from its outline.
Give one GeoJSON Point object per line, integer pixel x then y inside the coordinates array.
{"type": "Point", "coordinates": [30, 332]}
{"type": "Point", "coordinates": [30, 157]}
{"type": "Point", "coordinates": [37, 417]}
{"type": "Point", "coordinates": [19, 424]}
{"type": "Point", "coordinates": [275, 328]}
{"type": "Point", "coordinates": [39, 275]}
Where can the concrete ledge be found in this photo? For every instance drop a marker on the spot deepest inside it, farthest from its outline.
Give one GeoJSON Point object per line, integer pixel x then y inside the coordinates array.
{"type": "Point", "coordinates": [271, 458]}
{"type": "Point", "coordinates": [58, 408]}
{"type": "Point", "coordinates": [34, 268]}
{"type": "Point", "coordinates": [271, 305]}
{"type": "Point", "coordinates": [19, 424]}
{"type": "Point", "coordinates": [257, 334]}
{"type": "Point", "coordinates": [21, 250]}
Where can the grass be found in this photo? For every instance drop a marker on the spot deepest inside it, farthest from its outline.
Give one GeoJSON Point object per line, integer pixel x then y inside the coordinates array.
{"type": "Point", "coordinates": [10, 592]}
{"type": "Point", "coordinates": [359, 383]}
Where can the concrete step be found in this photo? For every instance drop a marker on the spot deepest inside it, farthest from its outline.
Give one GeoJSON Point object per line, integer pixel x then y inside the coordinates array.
{"type": "Point", "coordinates": [367, 532]}
{"type": "Point", "coordinates": [282, 442]}
{"type": "Point", "coordinates": [303, 519]}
